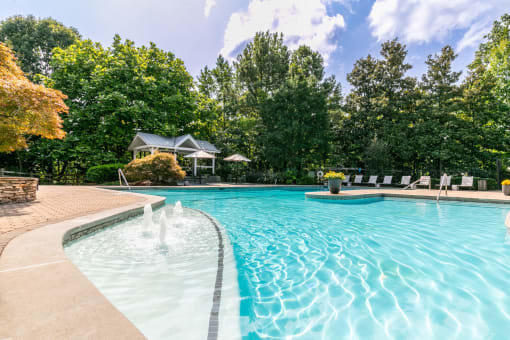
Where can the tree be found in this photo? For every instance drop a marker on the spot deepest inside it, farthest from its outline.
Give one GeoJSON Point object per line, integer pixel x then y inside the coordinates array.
{"type": "Point", "coordinates": [486, 97]}
{"type": "Point", "coordinates": [262, 67]}
{"type": "Point", "coordinates": [26, 108]}
{"type": "Point", "coordinates": [397, 104]}
{"type": "Point", "coordinates": [297, 126]}
{"type": "Point", "coordinates": [219, 88]}
{"type": "Point", "coordinates": [380, 109]}
{"type": "Point", "coordinates": [113, 93]}
{"type": "Point", "coordinates": [296, 117]}
{"type": "Point", "coordinates": [440, 127]}
{"type": "Point", "coordinates": [360, 126]}
{"type": "Point", "coordinates": [33, 41]}
{"type": "Point", "coordinates": [306, 63]}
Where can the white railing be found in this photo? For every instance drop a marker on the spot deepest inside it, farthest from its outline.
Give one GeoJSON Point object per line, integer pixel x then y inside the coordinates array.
{"type": "Point", "coordinates": [122, 177]}
{"type": "Point", "coordinates": [412, 185]}
{"type": "Point", "coordinates": [444, 181]}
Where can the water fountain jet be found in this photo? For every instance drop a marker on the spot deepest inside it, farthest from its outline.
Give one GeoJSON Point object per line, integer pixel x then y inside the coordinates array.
{"type": "Point", "coordinates": [178, 208]}
{"type": "Point", "coordinates": [147, 216]}
{"type": "Point", "coordinates": [163, 225]}
{"type": "Point", "coordinates": [147, 223]}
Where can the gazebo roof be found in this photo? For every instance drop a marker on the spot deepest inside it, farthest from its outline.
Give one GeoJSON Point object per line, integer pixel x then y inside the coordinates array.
{"type": "Point", "coordinates": [186, 143]}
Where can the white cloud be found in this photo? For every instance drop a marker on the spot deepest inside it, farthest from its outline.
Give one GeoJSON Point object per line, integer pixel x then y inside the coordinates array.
{"type": "Point", "coordinates": [209, 4]}
{"type": "Point", "coordinates": [427, 20]}
{"type": "Point", "coordinates": [303, 22]}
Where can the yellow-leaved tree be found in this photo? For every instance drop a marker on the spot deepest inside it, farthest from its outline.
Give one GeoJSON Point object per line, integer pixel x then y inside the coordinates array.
{"type": "Point", "coordinates": [26, 108]}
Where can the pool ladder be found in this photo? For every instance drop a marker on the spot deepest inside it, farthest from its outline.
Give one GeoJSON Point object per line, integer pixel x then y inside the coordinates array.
{"type": "Point", "coordinates": [122, 177]}
{"type": "Point", "coordinates": [442, 183]}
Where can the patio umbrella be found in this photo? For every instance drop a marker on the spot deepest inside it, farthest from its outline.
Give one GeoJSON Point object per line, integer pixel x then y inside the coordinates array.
{"type": "Point", "coordinates": [236, 158]}
{"type": "Point", "coordinates": [196, 155]}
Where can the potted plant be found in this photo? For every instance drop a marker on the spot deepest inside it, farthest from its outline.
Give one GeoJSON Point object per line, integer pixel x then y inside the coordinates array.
{"type": "Point", "coordinates": [505, 185]}
{"type": "Point", "coordinates": [334, 181]}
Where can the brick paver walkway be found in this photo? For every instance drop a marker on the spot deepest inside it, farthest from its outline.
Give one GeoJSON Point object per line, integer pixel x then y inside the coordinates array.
{"type": "Point", "coordinates": [57, 203]}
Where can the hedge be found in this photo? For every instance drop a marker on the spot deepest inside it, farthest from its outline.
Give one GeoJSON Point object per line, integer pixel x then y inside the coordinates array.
{"type": "Point", "coordinates": [103, 173]}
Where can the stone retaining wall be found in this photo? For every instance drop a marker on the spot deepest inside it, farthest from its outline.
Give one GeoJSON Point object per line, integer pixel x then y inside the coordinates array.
{"type": "Point", "coordinates": [17, 189]}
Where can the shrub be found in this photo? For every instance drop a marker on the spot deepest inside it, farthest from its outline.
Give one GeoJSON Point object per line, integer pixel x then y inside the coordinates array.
{"type": "Point", "coordinates": [307, 180]}
{"type": "Point", "coordinates": [103, 173]}
{"type": "Point", "coordinates": [157, 168]}
{"type": "Point", "coordinates": [254, 178]}
{"type": "Point", "coordinates": [290, 176]}
{"type": "Point", "coordinates": [267, 177]}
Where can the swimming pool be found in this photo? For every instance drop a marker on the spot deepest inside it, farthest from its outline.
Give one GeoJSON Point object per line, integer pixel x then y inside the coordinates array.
{"type": "Point", "coordinates": [369, 268]}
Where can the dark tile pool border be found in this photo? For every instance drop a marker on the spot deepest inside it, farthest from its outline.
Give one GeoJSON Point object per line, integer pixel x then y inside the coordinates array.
{"type": "Point", "coordinates": [212, 332]}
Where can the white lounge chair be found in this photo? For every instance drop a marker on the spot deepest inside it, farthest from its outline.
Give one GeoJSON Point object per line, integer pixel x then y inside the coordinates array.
{"type": "Point", "coordinates": [405, 181]}
{"type": "Point", "coordinates": [387, 180]}
{"type": "Point", "coordinates": [467, 182]}
{"type": "Point", "coordinates": [372, 180]}
{"type": "Point", "coordinates": [424, 181]}
{"type": "Point", "coordinates": [358, 179]}
{"type": "Point", "coordinates": [346, 179]}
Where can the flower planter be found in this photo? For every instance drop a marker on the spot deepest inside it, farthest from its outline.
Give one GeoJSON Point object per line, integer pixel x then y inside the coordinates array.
{"type": "Point", "coordinates": [334, 185]}
{"type": "Point", "coordinates": [506, 190]}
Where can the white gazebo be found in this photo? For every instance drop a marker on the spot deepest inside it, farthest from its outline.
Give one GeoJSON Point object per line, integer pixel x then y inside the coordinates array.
{"type": "Point", "coordinates": [185, 145]}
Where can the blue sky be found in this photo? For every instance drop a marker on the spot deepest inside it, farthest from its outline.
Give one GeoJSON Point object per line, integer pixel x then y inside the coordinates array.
{"type": "Point", "coordinates": [342, 30]}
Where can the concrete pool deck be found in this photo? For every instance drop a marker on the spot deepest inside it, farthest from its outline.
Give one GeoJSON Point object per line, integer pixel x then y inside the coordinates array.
{"type": "Point", "coordinates": [56, 203]}
{"type": "Point", "coordinates": [463, 196]}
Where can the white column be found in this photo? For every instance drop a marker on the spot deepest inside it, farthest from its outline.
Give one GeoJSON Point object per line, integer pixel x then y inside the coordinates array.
{"type": "Point", "coordinates": [152, 151]}
{"type": "Point", "coordinates": [194, 166]}
{"type": "Point", "coordinates": [134, 154]}
{"type": "Point", "coordinates": [213, 165]}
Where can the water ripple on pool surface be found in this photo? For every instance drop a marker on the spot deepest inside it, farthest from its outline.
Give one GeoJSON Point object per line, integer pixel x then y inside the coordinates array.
{"type": "Point", "coordinates": [376, 269]}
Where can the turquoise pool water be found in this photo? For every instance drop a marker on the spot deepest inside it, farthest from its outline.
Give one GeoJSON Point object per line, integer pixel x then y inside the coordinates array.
{"type": "Point", "coordinates": [364, 269]}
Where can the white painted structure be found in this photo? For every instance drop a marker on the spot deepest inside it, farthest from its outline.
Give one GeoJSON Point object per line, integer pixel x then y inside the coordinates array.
{"type": "Point", "coordinates": [147, 142]}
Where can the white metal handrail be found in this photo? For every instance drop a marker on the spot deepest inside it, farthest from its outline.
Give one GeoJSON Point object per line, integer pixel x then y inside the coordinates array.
{"type": "Point", "coordinates": [444, 181]}
{"type": "Point", "coordinates": [411, 185]}
{"type": "Point", "coordinates": [122, 177]}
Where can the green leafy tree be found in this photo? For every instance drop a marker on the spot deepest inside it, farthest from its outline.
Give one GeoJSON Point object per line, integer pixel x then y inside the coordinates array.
{"type": "Point", "coordinates": [296, 117]}
{"type": "Point", "coordinates": [397, 104]}
{"type": "Point", "coordinates": [113, 93]}
{"type": "Point", "coordinates": [232, 130]}
{"type": "Point", "coordinates": [262, 67]}
{"type": "Point", "coordinates": [440, 127]}
{"type": "Point", "coordinates": [380, 108]}
{"type": "Point", "coordinates": [360, 125]}
{"type": "Point", "coordinates": [486, 97]}
{"type": "Point", "coordinates": [33, 41]}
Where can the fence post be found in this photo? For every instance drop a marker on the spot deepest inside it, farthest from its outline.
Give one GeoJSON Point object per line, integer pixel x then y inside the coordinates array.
{"type": "Point", "coordinates": [498, 167]}
{"type": "Point", "coordinates": [2, 172]}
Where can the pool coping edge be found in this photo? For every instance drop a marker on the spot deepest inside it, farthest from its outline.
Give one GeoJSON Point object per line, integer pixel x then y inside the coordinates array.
{"type": "Point", "coordinates": [353, 196]}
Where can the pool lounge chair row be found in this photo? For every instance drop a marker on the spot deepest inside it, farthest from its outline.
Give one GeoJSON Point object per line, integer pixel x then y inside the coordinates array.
{"type": "Point", "coordinates": [405, 181]}
{"type": "Point", "coordinates": [358, 180]}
